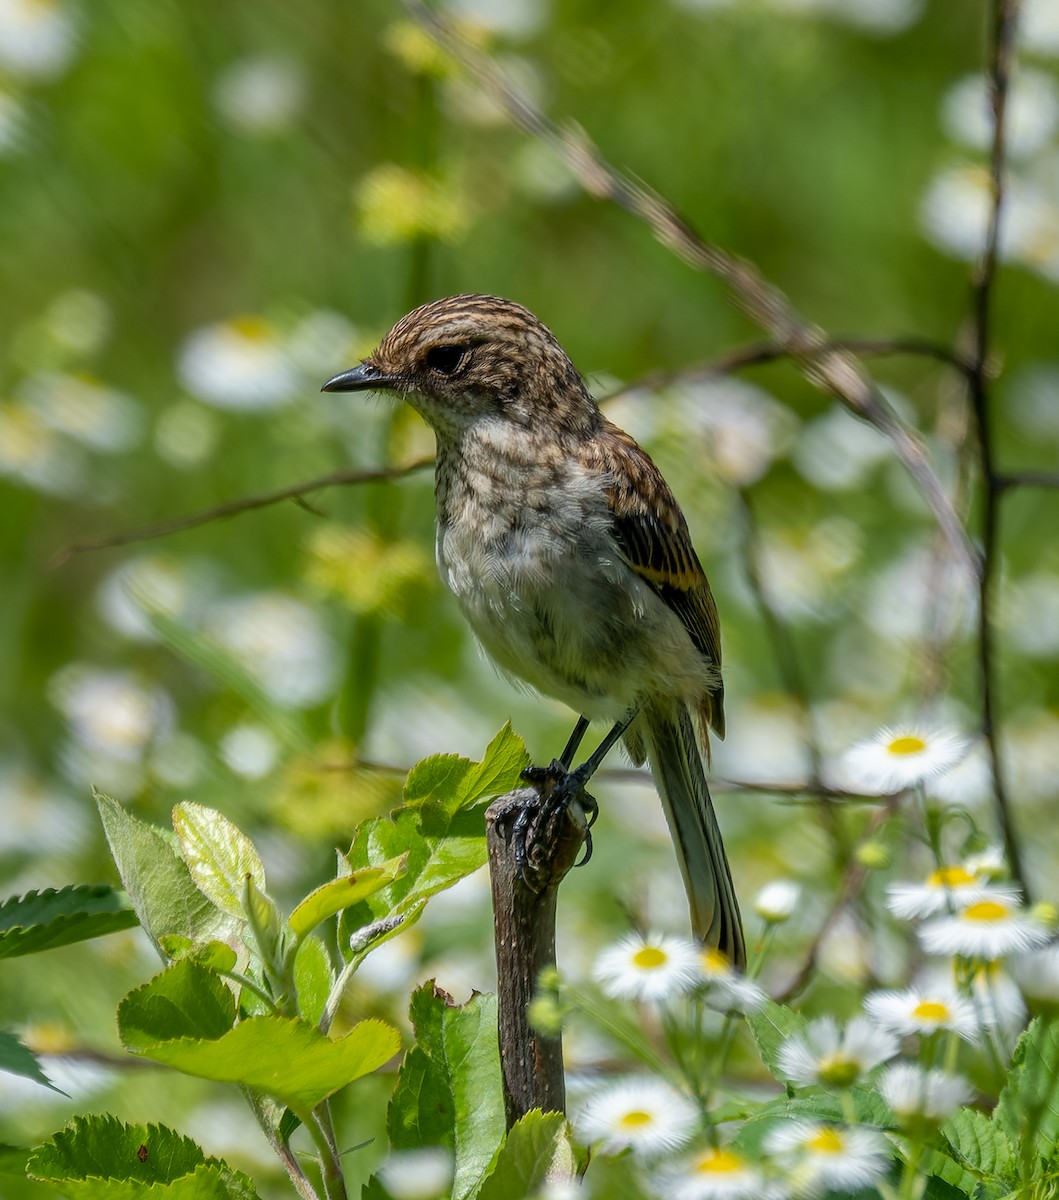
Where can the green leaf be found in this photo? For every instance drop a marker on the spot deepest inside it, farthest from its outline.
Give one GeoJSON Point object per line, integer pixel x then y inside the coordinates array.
{"type": "Point", "coordinates": [43, 920]}
{"type": "Point", "coordinates": [1028, 1108]}
{"type": "Point", "coordinates": [158, 882]}
{"type": "Point", "coordinates": [537, 1152]}
{"type": "Point", "coordinates": [183, 1017]}
{"type": "Point", "coordinates": [218, 854]}
{"type": "Point", "coordinates": [215, 956]}
{"type": "Point", "coordinates": [99, 1158]}
{"type": "Point", "coordinates": [454, 783]}
{"type": "Point", "coordinates": [269, 934]}
{"type": "Point", "coordinates": [868, 1107]}
{"type": "Point", "coordinates": [18, 1059]}
{"type": "Point", "coordinates": [770, 1027]}
{"type": "Point", "coordinates": [449, 1090]}
{"type": "Point", "coordinates": [439, 830]}
{"type": "Point", "coordinates": [340, 893]}
{"type": "Point", "coordinates": [313, 979]}
{"type": "Point", "coordinates": [979, 1145]}
{"type": "Point", "coordinates": [186, 1000]}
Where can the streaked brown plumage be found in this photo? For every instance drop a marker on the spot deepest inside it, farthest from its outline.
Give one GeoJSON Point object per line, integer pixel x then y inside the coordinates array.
{"type": "Point", "coordinates": [569, 555]}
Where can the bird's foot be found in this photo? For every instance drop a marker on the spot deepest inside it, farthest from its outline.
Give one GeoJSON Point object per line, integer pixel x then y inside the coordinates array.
{"type": "Point", "coordinates": [538, 822]}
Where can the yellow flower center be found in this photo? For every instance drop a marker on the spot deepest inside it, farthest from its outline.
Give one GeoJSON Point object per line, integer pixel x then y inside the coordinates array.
{"type": "Point", "coordinates": [987, 910]}
{"type": "Point", "coordinates": [949, 877]}
{"type": "Point", "coordinates": [635, 1119]}
{"type": "Point", "coordinates": [254, 329]}
{"type": "Point", "coordinates": [909, 744]}
{"type": "Point", "coordinates": [648, 958]}
{"type": "Point", "coordinates": [718, 1162]}
{"type": "Point", "coordinates": [839, 1070]}
{"type": "Point", "coordinates": [715, 962]}
{"type": "Point", "coordinates": [931, 1010]}
{"type": "Point", "coordinates": [827, 1141]}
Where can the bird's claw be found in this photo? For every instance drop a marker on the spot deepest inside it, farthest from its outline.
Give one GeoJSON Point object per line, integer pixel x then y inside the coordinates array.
{"type": "Point", "coordinates": [536, 825]}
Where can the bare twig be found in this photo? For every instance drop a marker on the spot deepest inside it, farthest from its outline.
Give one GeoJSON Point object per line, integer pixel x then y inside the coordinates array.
{"type": "Point", "coordinates": [832, 369]}
{"type": "Point", "coordinates": [763, 353]}
{"type": "Point", "coordinates": [1005, 14]}
{"type": "Point", "coordinates": [1037, 479]}
{"type": "Point", "coordinates": [231, 508]}
{"type": "Point", "coordinates": [852, 881]}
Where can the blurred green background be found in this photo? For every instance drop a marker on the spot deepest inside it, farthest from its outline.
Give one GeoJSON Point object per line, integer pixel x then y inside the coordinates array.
{"type": "Point", "coordinates": [206, 210]}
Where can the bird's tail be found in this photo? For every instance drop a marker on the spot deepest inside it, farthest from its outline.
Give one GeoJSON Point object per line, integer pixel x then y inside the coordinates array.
{"type": "Point", "coordinates": [676, 764]}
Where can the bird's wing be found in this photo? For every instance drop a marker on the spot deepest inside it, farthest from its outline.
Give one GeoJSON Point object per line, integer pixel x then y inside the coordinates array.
{"type": "Point", "coordinates": [653, 538]}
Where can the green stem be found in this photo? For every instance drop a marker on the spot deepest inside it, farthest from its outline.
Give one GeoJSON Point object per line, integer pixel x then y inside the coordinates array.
{"type": "Point", "coordinates": [297, 1176]}
{"type": "Point", "coordinates": [319, 1129]}
{"type": "Point", "coordinates": [246, 982]}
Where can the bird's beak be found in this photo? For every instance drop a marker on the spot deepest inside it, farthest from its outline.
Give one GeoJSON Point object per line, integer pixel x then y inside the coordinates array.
{"type": "Point", "coordinates": [360, 379]}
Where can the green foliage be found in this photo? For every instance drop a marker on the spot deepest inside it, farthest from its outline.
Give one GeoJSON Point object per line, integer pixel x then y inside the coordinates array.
{"type": "Point", "coordinates": [537, 1150]}
{"type": "Point", "coordinates": [99, 1158]}
{"type": "Point", "coordinates": [17, 1059]}
{"type": "Point", "coordinates": [440, 829]}
{"type": "Point", "coordinates": [449, 1091]}
{"type": "Point", "coordinates": [42, 920]}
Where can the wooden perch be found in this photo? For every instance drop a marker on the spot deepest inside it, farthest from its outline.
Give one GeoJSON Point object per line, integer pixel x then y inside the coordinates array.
{"type": "Point", "coordinates": [524, 928]}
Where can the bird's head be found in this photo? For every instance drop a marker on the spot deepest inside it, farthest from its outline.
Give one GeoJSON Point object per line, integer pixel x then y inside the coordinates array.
{"type": "Point", "coordinates": [463, 358]}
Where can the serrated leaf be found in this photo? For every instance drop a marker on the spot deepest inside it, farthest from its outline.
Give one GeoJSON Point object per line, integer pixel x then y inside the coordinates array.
{"type": "Point", "coordinates": [538, 1151]}
{"type": "Point", "coordinates": [18, 1059]}
{"type": "Point", "coordinates": [454, 783]}
{"type": "Point", "coordinates": [1027, 1110]}
{"type": "Point", "coordinates": [186, 1000]}
{"type": "Point", "coordinates": [449, 1090]}
{"type": "Point", "coordinates": [43, 920]}
{"type": "Point", "coordinates": [158, 882]}
{"type": "Point", "coordinates": [440, 830]}
{"type": "Point", "coordinates": [268, 932]}
{"type": "Point", "coordinates": [770, 1027]}
{"type": "Point", "coordinates": [218, 854]}
{"type": "Point", "coordinates": [979, 1145]}
{"type": "Point", "coordinates": [343, 892]}
{"type": "Point", "coordinates": [183, 1018]}
{"type": "Point", "coordinates": [99, 1158]}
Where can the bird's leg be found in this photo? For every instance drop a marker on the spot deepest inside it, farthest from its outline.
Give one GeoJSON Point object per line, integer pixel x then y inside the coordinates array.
{"type": "Point", "coordinates": [565, 786]}
{"type": "Point", "coordinates": [567, 756]}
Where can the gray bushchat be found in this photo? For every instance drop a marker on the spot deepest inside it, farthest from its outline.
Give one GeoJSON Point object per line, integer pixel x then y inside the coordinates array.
{"type": "Point", "coordinates": [570, 558]}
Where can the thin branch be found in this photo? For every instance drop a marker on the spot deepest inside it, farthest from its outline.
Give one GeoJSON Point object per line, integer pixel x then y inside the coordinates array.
{"type": "Point", "coordinates": [296, 492]}
{"type": "Point", "coordinates": [827, 367]}
{"type": "Point", "coordinates": [852, 881]}
{"type": "Point", "coordinates": [1014, 479]}
{"type": "Point", "coordinates": [1005, 13]}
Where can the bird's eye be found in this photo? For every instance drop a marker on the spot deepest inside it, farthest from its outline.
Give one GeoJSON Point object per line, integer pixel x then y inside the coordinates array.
{"type": "Point", "coordinates": [446, 359]}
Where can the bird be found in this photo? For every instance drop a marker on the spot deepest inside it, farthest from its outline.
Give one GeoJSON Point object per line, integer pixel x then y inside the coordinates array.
{"type": "Point", "coordinates": [570, 558]}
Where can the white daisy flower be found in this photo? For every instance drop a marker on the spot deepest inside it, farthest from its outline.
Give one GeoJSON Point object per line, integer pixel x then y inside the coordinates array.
{"type": "Point", "coordinates": [1039, 26]}
{"type": "Point", "coordinates": [238, 364]}
{"type": "Point", "coordinates": [653, 967]}
{"type": "Point", "coordinates": [828, 1055]}
{"type": "Point", "coordinates": [36, 38]}
{"type": "Point", "coordinates": [85, 409]}
{"type": "Point", "coordinates": [260, 95]}
{"type": "Point", "coordinates": [421, 1174]}
{"type": "Point", "coordinates": [901, 757]}
{"type": "Point", "coordinates": [819, 1157]}
{"type": "Point", "coordinates": [726, 989]}
{"type": "Point", "coordinates": [923, 1011]}
{"type": "Point", "coordinates": [640, 1113]}
{"type": "Point", "coordinates": [1037, 975]}
{"type": "Point", "coordinates": [1032, 113]}
{"type": "Point", "coordinates": [987, 864]}
{"type": "Point", "coordinates": [944, 888]}
{"type": "Point", "coordinates": [281, 643]}
{"type": "Point", "coordinates": [717, 1173]}
{"type": "Point", "coordinates": [249, 750]}
{"type": "Point", "coordinates": [776, 901]}
{"type": "Point", "coordinates": [111, 711]}
{"type": "Point", "coordinates": [913, 1092]}
{"type": "Point", "coordinates": [988, 929]}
